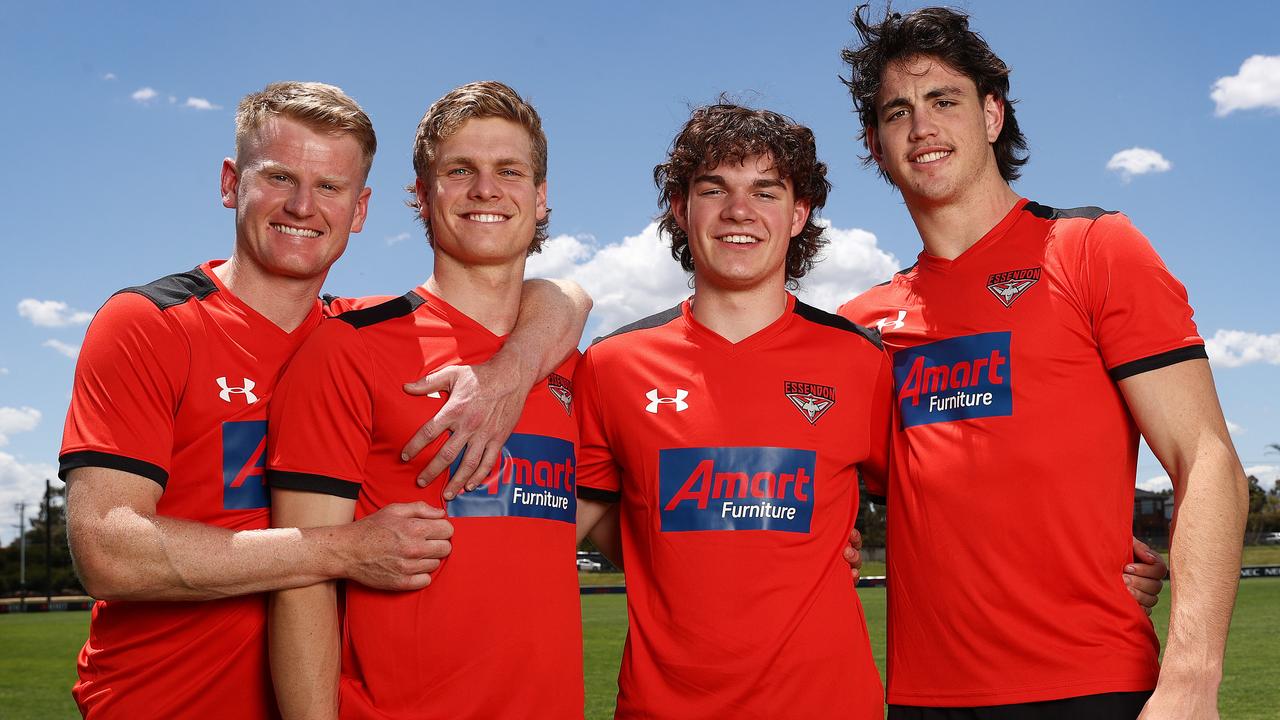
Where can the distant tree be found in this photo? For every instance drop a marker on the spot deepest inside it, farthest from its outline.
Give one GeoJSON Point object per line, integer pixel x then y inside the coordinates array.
{"type": "Point", "coordinates": [62, 574]}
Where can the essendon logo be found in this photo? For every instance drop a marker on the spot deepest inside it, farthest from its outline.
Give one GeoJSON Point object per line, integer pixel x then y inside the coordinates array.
{"type": "Point", "coordinates": [736, 488]}
{"type": "Point", "coordinates": [957, 379]}
{"type": "Point", "coordinates": [810, 399]}
{"type": "Point", "coordinates": [1009, 286]}
{"type": "Point", "coordinates": [535, 479]}
{"type": "Point", "coordinates": [562, 389]}
{"type": "Point", "coordinates": [244, 463]}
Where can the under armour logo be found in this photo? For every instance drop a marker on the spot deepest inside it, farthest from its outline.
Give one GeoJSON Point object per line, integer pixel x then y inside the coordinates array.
{"type": "Point", "coordinates": [227, 391]}
{"type": "Point", "coordinates": [898, 324]}
{"type": "Point", "coordinates": [678, 400]}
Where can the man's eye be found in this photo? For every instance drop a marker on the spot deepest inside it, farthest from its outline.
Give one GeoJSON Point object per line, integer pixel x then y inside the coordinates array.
{"type": "Point", "coordinates": [946, 103]}
{"type": "Point", "coordinates": [896, 114]}
{"type": "Point", "coordinates": [458, 171]}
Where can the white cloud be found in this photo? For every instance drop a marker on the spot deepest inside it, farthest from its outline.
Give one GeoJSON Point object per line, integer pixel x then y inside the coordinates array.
{"type": "Point", "coordinates": [4, 371]}
{"type": "Point", "coordinates": [1233, 348]}
{"type": "Point", "coordinates": [1155, 484]}
{"type": "Point", "coordinates": [851, 262]}
{"type": "Point", "coordinates": [67, 349]}
{"type": "Point", "coordinates": [1138, 161]}
{"type": "Point", "coordinates": [1267, 475]}
{"type": "Point", "coordinates": [399, 238]}
{"type": "Point", "coordinates": [109, 76]}
{"type": "Point", "coordinates": [200, 104]}
{"type": "Point", "coordinates": [19, 482]}
{"type": "Point", "coordinates": [627, 280]}
{"type": "Point", "coordinates": [1234, 428]}
{"type": "Point", "coordinates": [144, 95]}
{"type": "Point", "coordinates": [1257, 85]}
{"type": "Point", "coordinates": [637, 277]}
{"type": "Point", "coordinates": [14, 420]}
{"type": "Point", "coordinates": [51, 313]}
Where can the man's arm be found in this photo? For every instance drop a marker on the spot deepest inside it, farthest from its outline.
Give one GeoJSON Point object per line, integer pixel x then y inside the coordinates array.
{"type": "Point", "coordinates": [123, 550]}
{"type": "Point", "coordinates": [302, 623]}
{"type": "Point", "coordinates": [1177, 410]}
{"type": "Point", "coordinates": [485, 400]}
{"type": "Point", "coordinates": [599, 521]}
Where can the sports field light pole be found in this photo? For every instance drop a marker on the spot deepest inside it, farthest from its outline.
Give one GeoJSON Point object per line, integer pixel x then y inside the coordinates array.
{"type": "Point", "coordinates": [48, 549]}
{"type": "Point", "coordinates": [22, 555]}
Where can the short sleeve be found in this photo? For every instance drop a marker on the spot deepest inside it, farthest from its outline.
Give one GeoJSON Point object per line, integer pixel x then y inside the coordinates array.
{"type": "Point", "coordinates": [320, 422]}
{"type": "Point", "coordinates": [875, 469]}
{"type": "Point", "coordinates": [129, 380]}
{"type": "Point", "coordinates": [599, 477]}
{"type": "Point", "coordinates": [1140, 312]}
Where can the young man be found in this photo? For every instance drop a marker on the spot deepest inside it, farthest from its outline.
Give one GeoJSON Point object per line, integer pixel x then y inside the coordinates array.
{"type": "Point", "coordinates": [491, 637]}
{"type": "Point", "coordinates": [730, 431]}
{"type": "Point", "coordinates": [1030, 346]}
{"type": "Point", "coordinates": [163, 448]}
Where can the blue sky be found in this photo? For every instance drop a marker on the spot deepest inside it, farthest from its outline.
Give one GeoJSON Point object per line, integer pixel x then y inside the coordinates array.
{"type": "Point", "coordinates": [118, 119]}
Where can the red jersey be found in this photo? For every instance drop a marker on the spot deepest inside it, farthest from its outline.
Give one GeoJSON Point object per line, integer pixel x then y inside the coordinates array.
{"type": "Point", "coordinates": [737, 468]}
{"type": "Point", "coordinates": [1013, 447]}
{"type": "Point", "coordinates": [172, 384]}
{"type": "Point", "coordinates": [498, 633]}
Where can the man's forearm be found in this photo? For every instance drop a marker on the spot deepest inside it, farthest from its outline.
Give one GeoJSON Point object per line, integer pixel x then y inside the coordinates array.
{"type": "Point", "coordinates": [1212, 505]}
{"type": "Point", "coordinates": [305, 651]}
{"type": "Point", "coordinates": [130, 556]}
{"type": "Point", "coordinates": [552, 315]}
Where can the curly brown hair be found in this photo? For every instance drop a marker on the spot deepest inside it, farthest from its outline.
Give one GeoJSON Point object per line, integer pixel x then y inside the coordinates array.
{"type": "Point", "coordinates": [483, 99]}
{"type": "Point", "coordinates": [944, 34]}
{"type": "Point", "coordinates": [726, 132]}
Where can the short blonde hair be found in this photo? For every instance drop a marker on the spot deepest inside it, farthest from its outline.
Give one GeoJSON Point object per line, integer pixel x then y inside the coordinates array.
{"type": "Point", "coordinates": [484, 99]}
{"type": "Point", "coordinates": [321, 107]}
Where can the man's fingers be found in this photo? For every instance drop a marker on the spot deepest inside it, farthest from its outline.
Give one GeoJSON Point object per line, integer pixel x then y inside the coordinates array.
{"type": "Point", "coordinates": [430, 530]}
{"type": "Point", "coordinates": [1154, 571]}
{"type": "Point", "coordinates": [417, 509]}
{"type": "Point", "coordinates": [484, 466]}
{"type": "Point", "coordinates": [855, 538]}
{"type": "Point", "coordinates": [424, 437]}
{"type": "Point", "coordinates": [441, 462]}
{"type": "Point", "coordinates": [440, 380]}
{"type": "Point", "coordinates": [1149, 585]}
{"type": "Point", "coordinates": [465, 475]}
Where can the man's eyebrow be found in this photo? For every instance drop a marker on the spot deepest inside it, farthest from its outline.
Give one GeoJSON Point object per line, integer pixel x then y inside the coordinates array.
{"type": "Point", "coordinates": [273, 167]}
{"type": "Point", "coordinates": [933, 94]}
{"type": "Point", "coordinates": [712, 179]}
{"type": "Point", "coordinates": [768, 183]}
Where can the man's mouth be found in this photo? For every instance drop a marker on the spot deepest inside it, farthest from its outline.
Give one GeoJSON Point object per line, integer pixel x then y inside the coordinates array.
{"type": "Point", "coordinates": [295, 231]}
{"type": "Point", "coordinates": [486, 217]}
{"type": "Point", "coordinates": [738, 239]}
{"type": "Point", "coordinates": [931, 156]}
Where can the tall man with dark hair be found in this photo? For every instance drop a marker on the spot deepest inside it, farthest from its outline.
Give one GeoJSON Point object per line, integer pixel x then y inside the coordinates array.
{"type": "Point", "coordinates": [163, 452]}
{"type": "Point", "coordinates": [491, 638]}
{"type": "Point", "coordinates": [1030, 346]}
{"type": "Point", "coordinates": [730, 432]}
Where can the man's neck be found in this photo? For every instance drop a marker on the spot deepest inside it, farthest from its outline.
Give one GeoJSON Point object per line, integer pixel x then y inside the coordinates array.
{"type": "Point", "coordinates": [950, 227]}
{"type": "Point", "coordinates": [490, 295]}
{"type": "Point", "coordinates": [738, 314]}
{"type": "Point", "coordinates": [284, 301]}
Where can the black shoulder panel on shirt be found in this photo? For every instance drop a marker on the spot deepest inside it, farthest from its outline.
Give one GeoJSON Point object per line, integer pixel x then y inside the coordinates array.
{"type": "Point", "coordinates": [389, 310]}
{"type": "Point", "coordinates": [814, 315]}
{"type": "Point", "coordinates": [1048, 213]}
{"type": "Point", "coordinates": [176, 289]}
{"type": "Point", "coordinates": [328, 299]}
{"type": "Point", "coordinates": [653, 321]}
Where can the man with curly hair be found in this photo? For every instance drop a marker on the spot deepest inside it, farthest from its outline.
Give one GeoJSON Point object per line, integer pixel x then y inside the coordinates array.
{"type": "Point", "coordinates": [729, 432]}
{"type": "Point", "coordinates": [1030, 346]}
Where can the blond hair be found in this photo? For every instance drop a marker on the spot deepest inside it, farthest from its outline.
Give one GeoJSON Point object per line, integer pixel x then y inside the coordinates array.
{"type": "Point", "coordinates": [484, 99]}
{"type": "Point", "coordinates": [321, 107]}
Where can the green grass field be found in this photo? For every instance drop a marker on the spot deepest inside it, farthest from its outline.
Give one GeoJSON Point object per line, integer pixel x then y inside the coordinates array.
{"type": "Point", "coordinates": [37, 653]}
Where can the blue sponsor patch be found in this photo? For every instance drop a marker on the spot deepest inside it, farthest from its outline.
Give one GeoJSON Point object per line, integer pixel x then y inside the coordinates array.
{"type": "Point", "coordinates": [736, 488]}
{"type": "Point", "coordinates": [957, 379]}
{"type": "Point", "coordinates": [244, 465]}
{"type": "Point", "coordinates": [535, 479]}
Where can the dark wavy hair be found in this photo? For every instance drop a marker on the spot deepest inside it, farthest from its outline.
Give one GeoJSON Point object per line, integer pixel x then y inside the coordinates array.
{"type": "Point", "coordinates": [726, 132]}
{"type": "Point", "coordinates": [944, 34]}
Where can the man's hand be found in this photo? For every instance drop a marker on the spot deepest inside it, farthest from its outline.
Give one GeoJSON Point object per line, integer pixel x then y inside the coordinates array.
{"type": "Point", "coordinates": [853, 554]}
{"type": "Point", "coordinates": [1145, 576]}
{"type": "Point", "coordinates": [396, 548]}
{"type": "Point", "coordinates": [485, 402]}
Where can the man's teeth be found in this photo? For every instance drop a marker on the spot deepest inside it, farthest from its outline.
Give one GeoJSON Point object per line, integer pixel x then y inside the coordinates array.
{"type": "Point", "coordinates": [738, 239]}
{"type": "Point", "coordinates": [930, 157]}
{"type": "Point", "coordinates": [486, 217]}
{"type": "Point", "coordinates": [298, 232]}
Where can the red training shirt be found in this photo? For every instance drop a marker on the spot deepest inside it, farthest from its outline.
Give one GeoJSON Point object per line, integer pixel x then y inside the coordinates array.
{"type": "Point", "coordinates": [737, 468]}
{"type": "Point", "coordinates": [172, 384]}
{"type": "Point", "coordinates": [1011, 496]}
{"type": "Point", "coordinates": [498, 633]}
